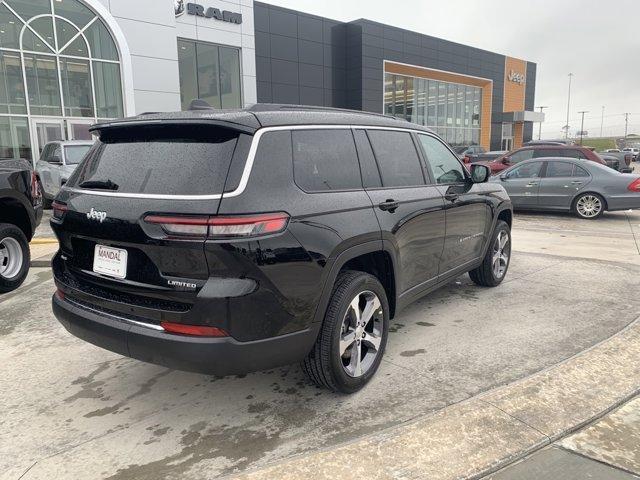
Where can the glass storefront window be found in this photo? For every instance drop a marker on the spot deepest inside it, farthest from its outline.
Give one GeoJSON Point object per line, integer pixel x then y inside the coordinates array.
{"type": "Point", "coordinates": [14, 138]}
{"type": "Point", "coordinates": [76, 87]}
{"type": "Point", "coordinates": [74, 11]}
{"type": "Point", "coordinates": [42, 84]}
{"type": "Point", "coordinates": [106, 77]}
{"type": "Point", "coordinates": [10, 28]}
{"type": "Point", "coordinates": [12, 98]}
{"type": "Point", "coordinates": [230, 87]}
{"type": "Point", "coordinates": [27, 9]}
{"type": "Point", "coordinates": [209, 72]}
{"type": "Point", "coordinates": [452, 110]}
{"type": "Point", "coordinates": [100, 41]}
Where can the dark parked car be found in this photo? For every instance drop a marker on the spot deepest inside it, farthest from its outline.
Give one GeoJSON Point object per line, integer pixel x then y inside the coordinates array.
{"type": "Point", "coordinates": [525, 153]}
{"type": "Point", "coordinates": [227, 242]}
{"type": "Point", "coordinates": [20, 214]}
{"type": "Point", "coordinates": [586, 188]}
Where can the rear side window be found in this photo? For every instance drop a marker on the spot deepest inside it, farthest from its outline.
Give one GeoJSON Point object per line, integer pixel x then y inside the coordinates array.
{"type": "Point", "coordinates": [559, 169]}
{"type": "Point", "coordinates": [325, 160]}
{"type": "Point", "coordinates": [168, 159]}
{"type": "Point", "coordinates": [580, 172]}
{"type": "Point", "coordinates": [397, 158]}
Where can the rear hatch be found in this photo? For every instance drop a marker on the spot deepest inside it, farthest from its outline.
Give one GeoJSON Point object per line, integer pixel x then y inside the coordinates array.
{"type": "Point", "coordinates": [116, 248]}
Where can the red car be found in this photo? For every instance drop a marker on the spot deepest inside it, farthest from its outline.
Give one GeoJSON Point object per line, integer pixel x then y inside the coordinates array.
{"type": "Point", "coordinates": [536, 151]}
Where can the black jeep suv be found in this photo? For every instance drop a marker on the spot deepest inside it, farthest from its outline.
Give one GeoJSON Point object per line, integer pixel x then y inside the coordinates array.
{"type": "Point", "coordinates": [231, 241]}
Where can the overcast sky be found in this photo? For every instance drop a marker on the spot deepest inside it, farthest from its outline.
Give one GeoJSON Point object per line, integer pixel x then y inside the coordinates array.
{"type": "Point", "coordinates": [597, 40]}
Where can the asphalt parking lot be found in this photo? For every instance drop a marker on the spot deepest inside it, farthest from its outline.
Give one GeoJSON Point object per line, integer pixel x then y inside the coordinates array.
{"type": "Point", "coordinates": [70, 407]}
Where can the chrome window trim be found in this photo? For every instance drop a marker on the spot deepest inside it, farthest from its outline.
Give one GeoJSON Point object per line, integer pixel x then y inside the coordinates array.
{"type": "Point", "coordinates": [244, 180]}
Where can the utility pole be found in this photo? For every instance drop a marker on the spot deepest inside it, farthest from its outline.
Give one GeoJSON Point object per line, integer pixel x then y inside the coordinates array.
{"type": "Point", "coordinates": [602, 121]}
{"type": "Point", "coordinates": [582, 125]}
{"type": "Point", "coordinates": [540, 126]}
{"type": "Point", "coordinates": [566, 131]}
{"type": "Point", "coordinates": [626, 125]}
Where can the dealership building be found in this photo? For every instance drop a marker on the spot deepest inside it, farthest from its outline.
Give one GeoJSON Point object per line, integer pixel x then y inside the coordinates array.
{"type": "Point", "coordinates": [65, 64]}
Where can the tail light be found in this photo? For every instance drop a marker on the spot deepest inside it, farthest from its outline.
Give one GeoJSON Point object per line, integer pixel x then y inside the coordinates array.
{"type": "Point", "coordinates": [35, 186]}
{"type": "Point", "coordinates": [59, 209]}
{"type": "Point", "coordinates": [634, 186]}
{"type": "Point", "coordinates": [193, 330]}
{"type": "Point", "coordinates": [221, 227]}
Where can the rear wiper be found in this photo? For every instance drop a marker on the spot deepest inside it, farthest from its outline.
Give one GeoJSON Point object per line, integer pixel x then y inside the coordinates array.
{"type": "Point", "coordinates": [100, 184]}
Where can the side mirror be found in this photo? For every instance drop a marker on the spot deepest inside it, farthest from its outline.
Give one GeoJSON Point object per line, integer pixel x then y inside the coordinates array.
{"type": "Point", "coordinates": [506, 160]}
{"type": "Point", "coordinates": [503, 177]}
{"type": "Point", "coordinates": [479, 173]}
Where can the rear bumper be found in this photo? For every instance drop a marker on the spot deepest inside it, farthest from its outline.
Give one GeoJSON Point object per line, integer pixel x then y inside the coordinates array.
{"type": "Point", "coordinates": [623, 202]}
{"type": "Point", "coordinates": [149, 343]}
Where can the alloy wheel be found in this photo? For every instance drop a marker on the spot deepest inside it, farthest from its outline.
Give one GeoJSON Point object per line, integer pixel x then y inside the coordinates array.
{"type": "Point", "coordinates": [10, 258]}
{"type": "Point", "coordinates": [361, 334]}
{"type": "Point", "coordinates": [501, 252]}
{"type": "Point", "coordinates": [589, 206]}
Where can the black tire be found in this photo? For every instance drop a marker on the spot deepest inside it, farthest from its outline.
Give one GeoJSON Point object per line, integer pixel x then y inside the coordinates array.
{"type": "Point", "coordinates": [12, 239]}
{"type": "Point", "coordinates": [485, 275]}
{"type": "Point", "coordinates": [588, 214]}
{"type": "Point", "coordinates": [324, 365]}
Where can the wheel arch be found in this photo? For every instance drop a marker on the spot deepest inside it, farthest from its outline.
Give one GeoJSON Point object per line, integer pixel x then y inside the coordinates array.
{"type": "Point", "coordinates": [13, 211]}
{"type": "Point", "coordinates": [376, 258]}
{"type": "Point", "coordinates": [592, 192]}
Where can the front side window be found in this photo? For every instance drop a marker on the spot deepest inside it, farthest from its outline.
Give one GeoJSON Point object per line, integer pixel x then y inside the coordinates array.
{"type": "Point", "coordinates": [325, 160]}
{"type": "Point", "coordinates": [397, 158]}
{"type": "Point", "coordinates": [209, 72]}
{"type": "Point", "coordinates": [528, 170]}
{"type": "Point", "coordinates": [444, 165]}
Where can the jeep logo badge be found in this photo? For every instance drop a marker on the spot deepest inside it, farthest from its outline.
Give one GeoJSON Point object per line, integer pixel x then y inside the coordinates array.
{"type": "Point", "coordinates": [516, 77]}
{"type": "Point", "coordinates": [96, 215]}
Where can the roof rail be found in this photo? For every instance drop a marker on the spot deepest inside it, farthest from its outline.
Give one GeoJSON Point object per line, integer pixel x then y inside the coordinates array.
{"type": "Point", "coordinates": [269, 107]}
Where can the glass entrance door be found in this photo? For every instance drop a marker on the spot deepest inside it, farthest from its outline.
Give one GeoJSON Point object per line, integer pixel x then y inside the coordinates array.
{"type": "Point", "coordinates": [507, 136]}
{"type": "Point", "coordinates": [45, 131]}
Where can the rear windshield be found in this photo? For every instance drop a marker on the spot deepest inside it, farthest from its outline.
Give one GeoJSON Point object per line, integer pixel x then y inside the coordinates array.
{"type": "Point", "coordinates": [75, 153]}
{"type": "Point", "coordinates": [168, 159]}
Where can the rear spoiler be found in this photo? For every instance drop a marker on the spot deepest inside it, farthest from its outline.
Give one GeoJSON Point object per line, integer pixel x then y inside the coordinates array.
{"type": "Point", "coordinates": [201, 120]}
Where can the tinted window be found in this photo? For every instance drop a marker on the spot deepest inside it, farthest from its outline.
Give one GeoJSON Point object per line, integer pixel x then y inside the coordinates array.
{"type": "Point", "coordinates": [521, 156]}
{"type": "Point", "coordinates": [547, 152]}
{"type": "Point", "coordinates": [397, 158]}
{"type": "Point", "coordinates": [559, 169]}
{"type": "Point", "coordinates": [528, 170]}
{"type": "Point", "coordinates": [171, 160]}
{"type": "Point", "coordinates": [55, 154]}
{"type": "Point", "coordinates": [325, 160]}
{"type": "Point", "coordinates": [370, 172]}
{"type": "Point", "coordinates": [444, 165]}
{"type": "Point", "coordinates": [579, 172]}
{"type": "Point", "coordinates": [571, 153]}
{"type": "Point", "coordinates": [75, 153]}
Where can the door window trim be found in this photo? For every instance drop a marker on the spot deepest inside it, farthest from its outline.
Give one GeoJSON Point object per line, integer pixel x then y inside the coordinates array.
{"type": "Point", "coordinates": [246, 173]}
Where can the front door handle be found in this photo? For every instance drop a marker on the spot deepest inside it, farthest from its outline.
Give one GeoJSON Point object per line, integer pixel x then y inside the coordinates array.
{"type": "Point", "coordinates": [389, 205]}
{"type": "Point", "coordinates": [576, 182]}
{"type": "Point", "coordinates": [532, 184]}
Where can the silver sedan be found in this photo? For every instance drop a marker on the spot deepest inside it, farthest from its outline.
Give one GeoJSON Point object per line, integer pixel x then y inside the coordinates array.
{"type": "Point", "coordinates": [586, 188]}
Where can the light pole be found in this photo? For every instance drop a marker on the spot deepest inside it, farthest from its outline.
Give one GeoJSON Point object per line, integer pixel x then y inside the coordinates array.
{"type": "Point", "coordinates": [582, 125]}
{"type": "Point", "coordinates": [626, 125]}
{"type": "Point", "coordinates": [601, 121]}
{"type": "Point", "coordinates": [540, 126]}
{"type": "Point", "coordinates": [566, 131]}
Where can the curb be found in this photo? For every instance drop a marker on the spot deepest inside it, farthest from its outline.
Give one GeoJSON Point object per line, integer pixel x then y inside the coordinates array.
{"type": "Point", "coordinates": [43, 241]}
{"type": "Point", "coordinates": [485, 433]}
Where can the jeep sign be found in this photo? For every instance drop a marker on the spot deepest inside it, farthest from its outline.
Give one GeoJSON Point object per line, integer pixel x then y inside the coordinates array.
{"type": "Point", "coordinates": [516, 77]}
{"type": "Point", "coordinates": [214, 13]}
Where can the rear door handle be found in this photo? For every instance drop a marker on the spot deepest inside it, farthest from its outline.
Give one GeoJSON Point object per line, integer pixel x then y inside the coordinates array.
{"type": "Point", "coordinates": [532, 184]}
{"type": "Point", "coordinates": [576, 182]}
{"type": "Point", "coordinates": [388, 205]}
